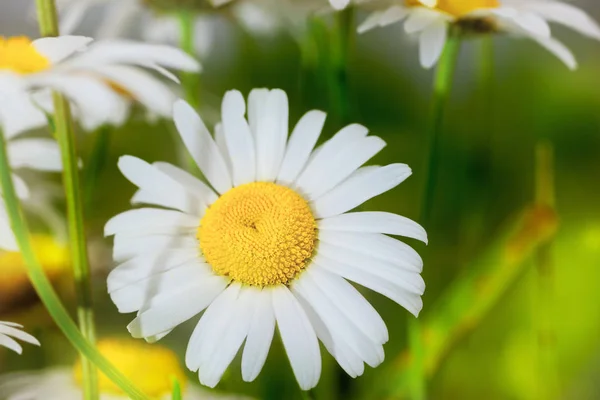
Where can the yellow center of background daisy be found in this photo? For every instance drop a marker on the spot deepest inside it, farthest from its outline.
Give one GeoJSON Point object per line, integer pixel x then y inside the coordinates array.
{"type": "Point", "coordinates": [151, 368]}
{"type": "Point", "coordinates": [259, 234]}
{"type": "Point", "coordinates": [17, 54]}
{"type": "Point", "coordinates": [457, 8]}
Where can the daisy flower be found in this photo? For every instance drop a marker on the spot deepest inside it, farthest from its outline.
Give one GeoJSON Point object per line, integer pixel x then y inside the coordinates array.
{"type": "Point", "coordinates": [267, 241]}
{"type": "Point", "coordinates": [150, 368]}
{"type": "Point", "coordinates": [119, 16]}
{"type": "Point", "coordinates": [430, 19]}
{"type": "Point", "coordinates": [9, 331]}
{"type": "Point", "coordinates": [101, 80]}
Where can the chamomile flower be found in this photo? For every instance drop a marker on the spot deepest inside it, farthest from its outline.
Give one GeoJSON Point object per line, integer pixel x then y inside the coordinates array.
{"type": "Point", "coordinates": [268, 241]}
{"type": "Point", "coordinates": [9, 331]}
{"type": "Point", "coordinates": [126, 18]}
{"type": "Point", "coordinates": [430, 19]}
{"type": "Point", "coordinates": [102, 80]}
{"type": "Point", "coordinates": [150, 368]}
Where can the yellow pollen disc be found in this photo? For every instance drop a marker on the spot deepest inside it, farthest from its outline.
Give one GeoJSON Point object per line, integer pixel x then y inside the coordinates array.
{"type": "Point", "coordinates": [151, 368]}
{"type": "Point", "coordinates": [17, 54]}
{"type": "Point", "coordinates": [457, 8]}
{"type": "Point", "coordinates": [259, 234]}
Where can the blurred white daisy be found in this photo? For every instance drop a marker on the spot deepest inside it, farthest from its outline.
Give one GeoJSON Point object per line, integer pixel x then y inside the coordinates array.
{"type": "Point", "coordinates": [101, 80]}
{"type": "Point", "coordinates": [430, 20]}
{"type": "Point", "coordinates": [131, 18]}
{"type": "Point", "coordinates": [270, 241]}
{"type": "Point", "coordinates": [150, 368]}
{"type": "Point", "coordinates": [9, 331]}
{"type": "Point", "coordinates": [33, 153]}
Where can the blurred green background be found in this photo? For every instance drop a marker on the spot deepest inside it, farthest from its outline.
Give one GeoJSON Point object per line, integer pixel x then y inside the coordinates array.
{"type": "Point", "coordinates": [493, 326]}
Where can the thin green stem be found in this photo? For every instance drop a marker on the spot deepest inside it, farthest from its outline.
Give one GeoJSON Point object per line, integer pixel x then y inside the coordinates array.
{"type": "Point", "coordinates": [48, 23]}
{"type": "Point", "coordinates": [95, 166]}
{"type": "Point", "coordinates": [43, 286]}
{"type": "Point", "coordinates": [342, 43]}
{"type": "Point", "coordinates": [442, 87]}
{"type": "Point", "coordinates": [548, 382]}
{"type": "Point", "coordinates": [441, 93]}
{"type": "Point", "coordinates": [189, 80]}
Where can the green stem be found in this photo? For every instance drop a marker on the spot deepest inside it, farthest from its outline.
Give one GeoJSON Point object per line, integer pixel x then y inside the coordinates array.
{"type": "Point", "coordinates": [189, 80]}
{"type": "Point", "coordinates": [94, 166]}
{"type": "Point", "coordinates": [43, 286]}
{"type": "Point", "coordinates": [342, 44]}
{"type": "Point", "coordinates": [548, 382]}
{"type": "Point", "coordinates": [441, 93]}
{"type": "Point", "coordinates": [48, 23]}
{"type": "Point", "coordinates": [442, 87]}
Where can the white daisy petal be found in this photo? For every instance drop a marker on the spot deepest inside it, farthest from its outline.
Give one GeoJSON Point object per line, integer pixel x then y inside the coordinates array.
{"type": "Point", "coordinates": [10, 344]}
{"type": "Point", "coordinates": [149, 220]}
{"type": "Point", "coordinates": [17, 334]}
{"type": "Point", "coordinates": [301, 143]}
{"type": "Point", "coordinates": [559, 50]}
{"type": "Point", "coordinates": [56, 49]}
{"type": "Point", "coordinates": [431, 43]}
{"type": "Point", "coordinates": [339, 4]}
{"type": "Point", "coordinates": [321, 160]}
{"type": "Point", "coordinates": [189, 181]}
{"type": "Point", "coordinates": [392, 290]}
{"type": "Point", "coordinates": [128, 245]}
{"type": "Point", "coordinates": [177, 309]}
{"type": "Point", "coordinates": [257, 101]}
{"type": "Point", "coordinates": [374, 222]}
{"type": "Point", "coordinates": [421, 18]}
{"type": "Point", "coordinates": [567, 15]}
{"type": "Point", "coordinates": [361, 186]}
{"type": "Point", "coordinates": [260, 335]}
{"type": "Point", "coordinates": [336, 322]}
{"type": "Point", "coordinates": [38, 153]}
{"type": "Point", "coordinates": [238, 137]}
{"type": "Point", "coordinates": [211, 326]}
{"type": "Point", "coordinates": [271, 135]}
{"type": "Point", "coordinates": [298, 336]}
{"type": "Point", "coordinates": [201, 146]}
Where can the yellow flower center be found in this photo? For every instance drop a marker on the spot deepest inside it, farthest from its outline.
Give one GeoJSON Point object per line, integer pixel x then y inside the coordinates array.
{"type": "Point", "coordinates": [457, 8]}
{"type": "Point", "coordinates": [151, 368]}
{"type": "Point", "coordinates": [259, 234]}
{"type": "Point", "coordinates": [17, 54]}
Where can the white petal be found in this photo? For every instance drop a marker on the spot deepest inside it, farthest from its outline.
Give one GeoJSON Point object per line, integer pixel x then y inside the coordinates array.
{"type": "Point", "coordinates": [352, 304]}
{"type": "Point", "coordinates": [271, 135]}
{"type": "Point", "coordinates": [408, 299]}
{"type": "Point", "coordinates": [567, 15]}
{"type": "Point", "coordinates": [127, 245]}
{"type": "Point", "coordinates": [201, 146]}
{"type": "Point", "coordinates": [336, 322]}
{"type": "Point", "coordinates": [431, 43]}
{"type": "Point", "coordinates": [189, 181]}
{"type": "Point", "coordinates": [298, 336]}
{"type": "Point", "coordinates": [339, 4]}
{"type": "Point", "coordinates": [559, 50]}
{"type": "Point", "coordinates": [226, 347]}
{"type": "Point", "coordinates": [257, 101]}
{"type": "Point", "coordinates": [320, 162]}
{"type": "Point", "coordinates": [40, 154]}
{"type": "Point", "coordinates": [301, 143]}
{"type": "Point", "coordinates": [17, 112]}
{"type": "Point", "coordinates": [21, 187]}
{"type": "Point", "coordinates": [341, 165]}
{"type": "Point", "coordinates": [150, 179]}
{"type": "Point", "coordinates": [361, 186]}
{"type": "Point", "coordinates": [533, 24]}
{"type": "Point", "coordinates": [376, 245]}
{"type": "Point", "coordinates": [260, 335]}
{"type": "Point", "coordinates": [420, 18]}
{"type": "Point", "coordinates": [238, 136]}
{"type": "Point", "coordinates": [11, 344]}
{"type": "Point", "coordinates": [211, 326]}
{"type": "Point", "coordinates": [374, 222]}
{"type": "Point", "coordinates": [18, 334]}
{"type": "Point", "coordinates": [383, 18]}
{"type": "Point", "coordinates": [147, 220]}
{"type": "Point", "coordinates": [176, 309]}
{"type": "Point", "coordinates": [56, 49]}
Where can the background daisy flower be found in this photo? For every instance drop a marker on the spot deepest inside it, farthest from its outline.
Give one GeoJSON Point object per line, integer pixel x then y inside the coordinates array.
{"type": "Point", "coordinates": [430, 19]}
{"type": "Point", "coordinates": [152, 368]}
{"type": "Point", "coordinates": [269, 242]}
{"type": "Point", "coordinates": [101, 80]}
{"type": "Point", "coordinates": [10, 331]}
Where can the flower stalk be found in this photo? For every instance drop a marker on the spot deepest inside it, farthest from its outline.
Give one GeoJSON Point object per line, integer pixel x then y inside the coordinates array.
{"type": "Point", "coordinates": [44, 288]}
{"type": "Point", "coordinates": [63, 125]}
{"type": "Point", "coordinates": [189, 80]}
